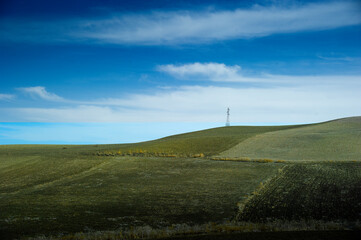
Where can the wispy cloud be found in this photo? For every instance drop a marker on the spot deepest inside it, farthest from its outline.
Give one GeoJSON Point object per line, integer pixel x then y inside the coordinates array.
{"type": "Point", "coordinates": [308, 103]}
{"type": "Point", "coordinates": [41, 92]}
{"type": "Point", "coordinates": [198, 27]}
{"type": "Point", "coordinates": [343, 59]}
{"type": "Point", "coordinates": [182, 27]}
{"type": "Point", "coordinates": [292, 99]}
{"type": "Point", "coordinates": [6, 97]}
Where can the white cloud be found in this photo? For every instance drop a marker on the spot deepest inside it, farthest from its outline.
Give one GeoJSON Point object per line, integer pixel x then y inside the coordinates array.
{"type": "Point", "coordinates": [6, 97]}
{"type": "Point", "coordinates": [292, 99]}
{"type": "Point", "coordinates": [193, 27]}
{"type": "Point", "coordinates": [41, 92]}
{"type": "Point", "coordinates": [217, 72]}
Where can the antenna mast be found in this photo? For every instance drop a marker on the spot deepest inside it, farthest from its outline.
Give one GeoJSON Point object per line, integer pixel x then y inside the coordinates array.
{"type": "Point", "coordinates": [227, 122]}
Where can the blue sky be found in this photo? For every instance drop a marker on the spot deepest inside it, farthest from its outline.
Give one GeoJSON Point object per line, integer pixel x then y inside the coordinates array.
{"type": "Point", "coordinates": [173, 66]}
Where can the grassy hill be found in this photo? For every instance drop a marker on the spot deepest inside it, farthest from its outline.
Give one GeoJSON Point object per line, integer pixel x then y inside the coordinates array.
{"type": "Point", "coordinates": [209, 142]}
{"type": "Point", "coordinates": [334, 140]}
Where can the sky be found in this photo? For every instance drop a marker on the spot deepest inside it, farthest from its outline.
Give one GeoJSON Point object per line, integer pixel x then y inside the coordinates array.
{"type": "Point", "coordinates": [86, 71]}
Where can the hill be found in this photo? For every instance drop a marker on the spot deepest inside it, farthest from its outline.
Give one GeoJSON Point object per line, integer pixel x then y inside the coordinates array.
{"type": "Point", "coordinates": [333, 140]}
{"type": "Point", "coordinates": [208, 142]}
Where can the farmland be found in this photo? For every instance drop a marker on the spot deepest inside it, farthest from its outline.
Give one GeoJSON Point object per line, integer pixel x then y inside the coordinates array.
{"type": "Point", "coordinates": [289, 180]}
{"type": "Point", "coordinates": [106, 193]}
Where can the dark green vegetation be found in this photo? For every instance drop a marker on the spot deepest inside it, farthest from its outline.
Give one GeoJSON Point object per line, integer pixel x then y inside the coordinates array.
{"type": "Point", "coordinates": [327, 191]}
{"type": "Point", "coordinates": [299, 235]}
{"type": "Point", "coordinates": [59, 189]}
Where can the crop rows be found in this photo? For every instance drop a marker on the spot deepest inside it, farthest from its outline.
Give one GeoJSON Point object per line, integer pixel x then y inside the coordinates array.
{"type": "Point", "coordinates": [329, 191]}
{"type": "Point", "coordinates": [146, 153]}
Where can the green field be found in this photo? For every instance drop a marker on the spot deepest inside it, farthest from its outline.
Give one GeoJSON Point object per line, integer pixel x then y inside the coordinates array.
{"type": "Point", "coordinates": [166, 187]}
{"type": "Point", "coordinates": [54, 195]}
{"type": "Point", "coordinates": [334, 140]}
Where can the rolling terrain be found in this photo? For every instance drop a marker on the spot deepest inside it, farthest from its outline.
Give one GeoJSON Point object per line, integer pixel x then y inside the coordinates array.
{"type": "Point", "coordinates": [171, 186]}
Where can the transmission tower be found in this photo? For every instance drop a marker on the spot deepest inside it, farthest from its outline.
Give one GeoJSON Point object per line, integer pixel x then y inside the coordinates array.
{"type": "Point", "coordinates": [227, 122]}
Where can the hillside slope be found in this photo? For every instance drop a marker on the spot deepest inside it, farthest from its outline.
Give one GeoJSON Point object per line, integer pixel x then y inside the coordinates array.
{"type": "Point", "coordinates": [209, 142]}
{"type": "Point", "coordinates": [334, 140]}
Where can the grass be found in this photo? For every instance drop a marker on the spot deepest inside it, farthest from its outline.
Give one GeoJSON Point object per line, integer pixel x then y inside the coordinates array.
{"type": "Point", "coordinates": [238, 179]}
{"type": "Point", "coordinates": [229, 230]}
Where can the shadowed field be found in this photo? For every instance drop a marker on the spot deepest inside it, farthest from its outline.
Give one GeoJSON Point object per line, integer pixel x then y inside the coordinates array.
{"type": "Point", "coordinates": [52, 195]}
{"type": "Point", "coordinates": [327, 191]}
